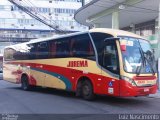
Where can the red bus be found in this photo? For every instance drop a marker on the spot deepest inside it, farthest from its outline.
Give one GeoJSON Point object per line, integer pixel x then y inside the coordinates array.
{"type": "Point", "coordinates": [99, 61]}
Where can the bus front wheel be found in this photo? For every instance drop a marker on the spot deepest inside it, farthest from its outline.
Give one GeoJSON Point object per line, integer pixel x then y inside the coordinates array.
{"type": "Point", "coordinates": [25, 83]}
{"type": "Point", "coordinates": [87, 90]}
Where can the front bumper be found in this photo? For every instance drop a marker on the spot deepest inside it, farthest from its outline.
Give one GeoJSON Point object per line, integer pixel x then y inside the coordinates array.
{"type": "Point", "coordinates": [127, 90]}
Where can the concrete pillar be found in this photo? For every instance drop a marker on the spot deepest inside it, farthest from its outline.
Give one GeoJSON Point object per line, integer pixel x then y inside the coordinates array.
{"type": "Point", "coordinates": [115, 20]}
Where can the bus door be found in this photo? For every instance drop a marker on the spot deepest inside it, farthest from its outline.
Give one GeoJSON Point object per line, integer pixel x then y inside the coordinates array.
{"type": "Point", "coordinates": [110, 66]}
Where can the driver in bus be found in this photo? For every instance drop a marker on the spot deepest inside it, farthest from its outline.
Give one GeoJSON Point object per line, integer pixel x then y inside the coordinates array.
{"type": "Point", "coordinates": [132, 59]}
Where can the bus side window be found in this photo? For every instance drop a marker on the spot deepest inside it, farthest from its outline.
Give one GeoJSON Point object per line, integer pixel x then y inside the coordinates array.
{"type": "Point", "coordinates": [43, 50]}
{"type": "Point", "coordinates": [52, 49]}
{"type": "Point", "coordinates": [33, 51]}
{"type": "Point", "coordinates": [91, 51]}
{"type": "Point", "coordinates": [82, 47]}
{"type": "Point", "coordinates": [110, 57]}
{"type": "Point", "coordinates": [62, 48]}
{"type": "Point", "coordinates": [98, 39]}
{"type": "Point", "coordinates": [72, 51]}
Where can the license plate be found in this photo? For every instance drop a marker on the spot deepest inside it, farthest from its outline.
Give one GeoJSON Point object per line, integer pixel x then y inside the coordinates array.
{"type": "Point", "coordinates": [146, 90]}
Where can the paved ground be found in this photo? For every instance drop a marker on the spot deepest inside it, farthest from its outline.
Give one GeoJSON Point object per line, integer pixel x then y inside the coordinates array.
{"type": "Point", "coordinates": [43, 101]}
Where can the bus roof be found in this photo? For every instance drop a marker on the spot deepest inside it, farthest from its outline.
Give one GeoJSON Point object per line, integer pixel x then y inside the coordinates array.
{"type": "Point", "coordinates": [113, 32]}
{"type": "Point", "coordinates": [56, 37]}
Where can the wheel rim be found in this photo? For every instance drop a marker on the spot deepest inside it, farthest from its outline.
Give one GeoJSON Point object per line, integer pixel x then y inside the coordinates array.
{"type": "Point", "coordinates": [86, 90]}
{"type": "Point", "coordinates": [24, 84]}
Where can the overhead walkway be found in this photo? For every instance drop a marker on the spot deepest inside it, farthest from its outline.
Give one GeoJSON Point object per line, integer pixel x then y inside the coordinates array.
{"type": "Point", "coordinates": [117, 13]}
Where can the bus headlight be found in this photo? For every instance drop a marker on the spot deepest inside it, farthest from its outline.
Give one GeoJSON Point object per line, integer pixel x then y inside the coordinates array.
{"type": "Point", "coordinates": [131, 81]}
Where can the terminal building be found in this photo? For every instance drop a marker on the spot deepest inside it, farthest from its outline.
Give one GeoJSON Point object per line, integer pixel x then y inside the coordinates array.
{"type": "Point", "coordinates": [138, 16]}
{"type": "Point", "coordinates": [17, 26]}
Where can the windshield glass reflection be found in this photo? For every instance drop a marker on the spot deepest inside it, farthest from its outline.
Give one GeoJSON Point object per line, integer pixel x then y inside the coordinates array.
{"type": "Point", "coordinates": [137, 55]}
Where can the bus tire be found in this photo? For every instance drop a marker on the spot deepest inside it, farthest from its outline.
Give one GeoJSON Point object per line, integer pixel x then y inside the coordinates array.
{"type": "Point", "coordinates": [25, 83]}
{"type": "Point", "coordinates": [79, 89]}
{"type": "Point", "coordinates": [87, 90]}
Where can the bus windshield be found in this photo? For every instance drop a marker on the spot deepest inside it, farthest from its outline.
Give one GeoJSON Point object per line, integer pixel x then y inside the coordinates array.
{"type": "Point", "coordinates": [137, 55]}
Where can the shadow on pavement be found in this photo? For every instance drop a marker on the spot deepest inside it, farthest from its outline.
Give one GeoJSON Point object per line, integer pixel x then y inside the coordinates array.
{"type": "Point", "coordinates": [132, 101]}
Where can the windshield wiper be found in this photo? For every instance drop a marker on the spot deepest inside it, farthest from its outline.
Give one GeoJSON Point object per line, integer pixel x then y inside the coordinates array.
{"type": "Point", "coordinates": [149, 63]}
{"type": "Point", "coordinates": [144, 61]}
